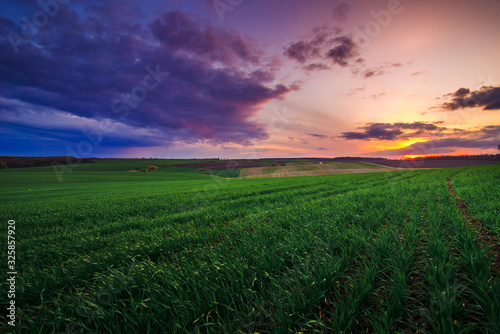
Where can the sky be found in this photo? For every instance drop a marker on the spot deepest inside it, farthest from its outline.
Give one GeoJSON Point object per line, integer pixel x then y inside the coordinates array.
{"type": "Point", "coordinates": [249, 78]}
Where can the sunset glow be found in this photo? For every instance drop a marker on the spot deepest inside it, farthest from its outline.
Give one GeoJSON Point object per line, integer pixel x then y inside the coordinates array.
{"type": "Point", "coordinates": [415, 156]}
{"type": "Point", "coordinates": [411, 142]}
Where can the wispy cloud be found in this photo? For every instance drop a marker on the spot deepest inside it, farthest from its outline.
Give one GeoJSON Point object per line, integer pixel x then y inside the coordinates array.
{"type": "Point", "coordinates": [391, 131]}
{"type": "Point", "coordinates": [317, 135]}
{"type": "Point", "coordinates": [341, 12]}
{"type": "Point", "coordinates": [380, 70]}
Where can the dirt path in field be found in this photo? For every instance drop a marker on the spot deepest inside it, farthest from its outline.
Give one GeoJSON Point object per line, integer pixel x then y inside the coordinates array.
{"type": "Point", "coordinates": [484, 235]}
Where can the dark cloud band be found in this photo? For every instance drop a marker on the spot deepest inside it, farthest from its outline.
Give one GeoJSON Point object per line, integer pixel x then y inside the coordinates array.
{"type": "Point", "coordinates": [176, 74]}
{"type": "Point", "coordinates": [487, 98]}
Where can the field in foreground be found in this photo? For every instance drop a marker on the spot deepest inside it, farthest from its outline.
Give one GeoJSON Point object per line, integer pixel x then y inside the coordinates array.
{"type": "Point", "coordinates": [174, 251]}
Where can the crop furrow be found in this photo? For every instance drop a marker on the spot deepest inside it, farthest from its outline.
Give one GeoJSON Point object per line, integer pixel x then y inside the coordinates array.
{"type": "Point", "coordinates": [89, 265]}
{"type": "Point", "coordinates": [390, 303]}
{"type": "Point", "coordinates": [483, 235]}
{"type": "Point", "coordinates": [476, 267]}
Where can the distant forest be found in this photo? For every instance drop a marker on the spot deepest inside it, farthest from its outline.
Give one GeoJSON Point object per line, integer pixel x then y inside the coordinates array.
{"type": "Point", "coordinates": [483, 157]}
{"type": "Point", "coordinates": [464, 157]}
{"type": "Point", "coordinates": [18, 162]}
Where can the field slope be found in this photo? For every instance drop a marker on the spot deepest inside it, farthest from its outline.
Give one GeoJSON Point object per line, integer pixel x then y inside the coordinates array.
{"type": "Point", "coordinates": [176, 251]}
{"type": "Point", "coordinates": [308, 169]}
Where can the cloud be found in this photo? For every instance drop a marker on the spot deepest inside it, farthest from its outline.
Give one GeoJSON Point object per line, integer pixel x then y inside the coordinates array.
{"type": "Point", "coordinates": [176, 75]}
{"type": "Point", "coordinates": [391, 131]}
{"type": "Point", "coordinates": [300, 51]}
{"type": "Point", "coordinates": [377, 96]}
{"type": "Point", "coordinates": [305, 50]}
{"type": "Point", "coordinates": [343, 53]}
{"type": "Point", "coordinates": [50, 124]}
{"type": "Point", "coordinates": [321, 149]}
{"type": "Point", "coordinates": [316, 67]}
{"type": "Point", "coordinates": [442, 146]}
{"type": "Point", "coordinates": [487, 137]}
{"type": "Point", "coordinates": [340, 12]}
{"type": "Point", "coordinates": [317, 135]}
{"type": "Point", "coordinates": [373, 131]}
{"type": "Point", "coordinates": [487, 97]}
{"type": "Point", "coordinates": [490, 131]}
{"type": "Point", "coordinates": [372, 73]}
{"type": "Point", "coordinates": [324, 47]}
{"type": "Point", "coordinates": [380, 70]}
{"type": "Point", "coordinates": [354, 91]}
{"type": "Point", "coordinates": [182, 33]}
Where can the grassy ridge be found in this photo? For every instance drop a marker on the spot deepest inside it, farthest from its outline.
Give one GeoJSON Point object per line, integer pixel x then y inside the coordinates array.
{"type": "Point", "coordinates": [175, 251]}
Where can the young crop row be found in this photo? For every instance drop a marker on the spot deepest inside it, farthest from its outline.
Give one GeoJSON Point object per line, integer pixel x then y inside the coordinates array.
{"type": "Point", "coordinates": [381, 252]}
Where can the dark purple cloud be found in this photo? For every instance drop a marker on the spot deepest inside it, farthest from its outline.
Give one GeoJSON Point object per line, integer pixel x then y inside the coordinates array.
{"type": "Point", "coordinates": [461, 92]}
{"type": "Point", "coordinates": [180, 33]}
{"type": "Point", "coordinates": [324, 48]}
{"type": "Point", "coordinates": [317, 135]}
{"type": "Point", "coordinates": [391, 131]}
{"type": "Point", "coordinates": [305, 50]}
{"type": "Point", "coordinates": [373, 131]}
{"type": "Point", "coordinates": [344, 52]}
{"type": "Point", "coordinates": [300, 51]}
{"type": "Point", "coordinates": [486, 97]}
{"type": "Point", "coordinates": [175, 75]}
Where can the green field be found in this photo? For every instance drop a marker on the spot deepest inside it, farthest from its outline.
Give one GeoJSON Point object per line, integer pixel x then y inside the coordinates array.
{"type": "Point", "coordinates": [179, 251]}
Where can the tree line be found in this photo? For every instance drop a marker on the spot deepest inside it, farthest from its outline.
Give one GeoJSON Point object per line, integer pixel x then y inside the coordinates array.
{"type": "Point", "coordinates": [19, 162]}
